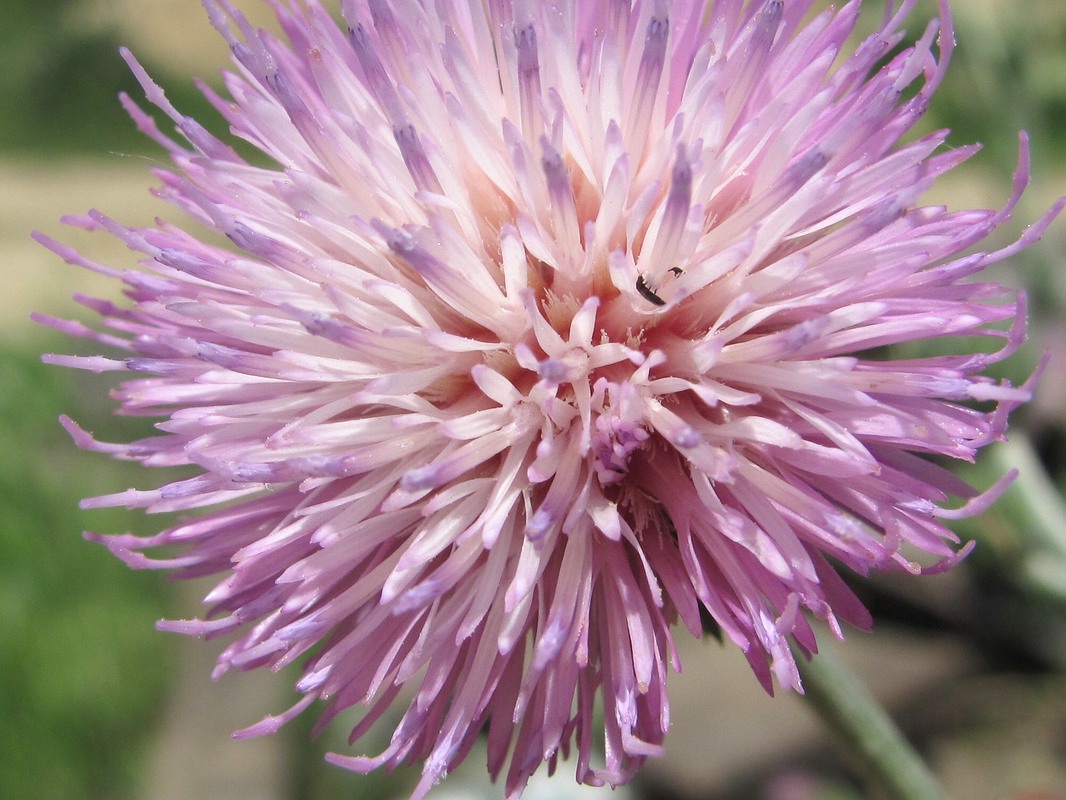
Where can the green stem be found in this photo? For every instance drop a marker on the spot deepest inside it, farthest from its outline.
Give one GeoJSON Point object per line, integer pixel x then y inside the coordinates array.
{"type": "Point", "coordinates": [1040, 512]}
{"type": "Point", "coordinates": [862, 724]}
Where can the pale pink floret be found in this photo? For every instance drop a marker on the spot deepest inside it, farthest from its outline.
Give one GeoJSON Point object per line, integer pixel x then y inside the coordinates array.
{"type": "Point", "coordinates": [549, 324]}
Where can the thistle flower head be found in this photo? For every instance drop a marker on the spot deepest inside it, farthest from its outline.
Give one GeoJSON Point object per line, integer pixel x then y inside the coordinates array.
{"type": "Point", "coordinates": [549, 325]}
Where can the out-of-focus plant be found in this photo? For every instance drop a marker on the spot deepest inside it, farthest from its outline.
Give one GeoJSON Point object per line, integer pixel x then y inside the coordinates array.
{"type": "Point", "coordinates": [82, 672]}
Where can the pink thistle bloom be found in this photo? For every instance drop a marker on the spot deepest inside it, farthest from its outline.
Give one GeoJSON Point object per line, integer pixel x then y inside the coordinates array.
{"type": "Point", "coordinates": [550, 325]}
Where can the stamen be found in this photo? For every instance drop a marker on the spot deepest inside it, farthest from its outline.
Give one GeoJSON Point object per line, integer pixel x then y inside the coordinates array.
{"type": "Point", "coordinates": [648, 76]}
{"type": "Point", "coordinates": [674, 215]}
{"type": "Point", "coordinates": [563, 204]}
{"type": "Point", "coordinates": [414, 158]}
{"type": "Point", "coordinates": [525, 38]}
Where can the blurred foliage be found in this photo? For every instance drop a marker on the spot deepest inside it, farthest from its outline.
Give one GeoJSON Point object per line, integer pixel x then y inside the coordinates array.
{"type": "Point", "coordinates": [84, 672]}
{"type": "Point", "coordinates": [59, 84]}
{"type": "Point", "coordinates": [1008, 74]}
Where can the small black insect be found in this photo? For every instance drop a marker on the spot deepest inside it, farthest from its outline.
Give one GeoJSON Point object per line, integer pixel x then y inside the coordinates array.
{"type": "Point", "coordinates": [647, 293]}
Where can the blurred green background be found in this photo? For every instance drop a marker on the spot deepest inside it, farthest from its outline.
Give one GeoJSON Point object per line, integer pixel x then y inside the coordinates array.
{"type": "Point", "coordinates": [95, 704]}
